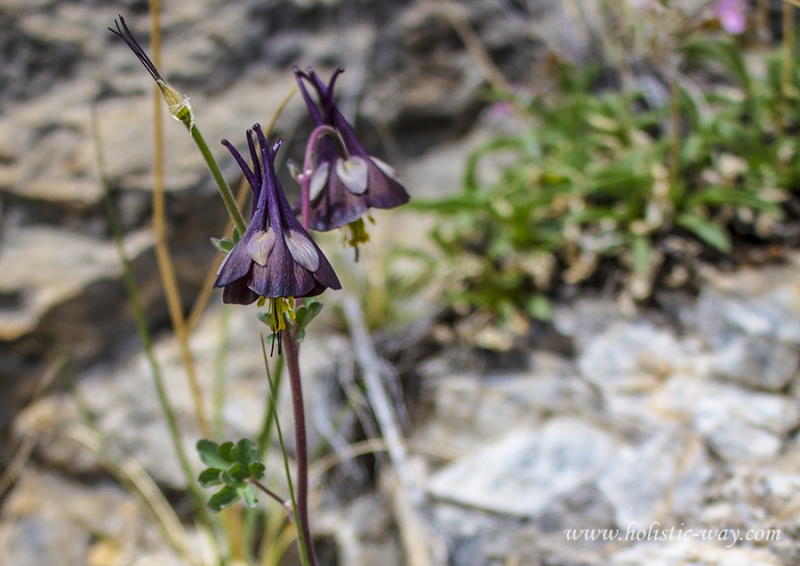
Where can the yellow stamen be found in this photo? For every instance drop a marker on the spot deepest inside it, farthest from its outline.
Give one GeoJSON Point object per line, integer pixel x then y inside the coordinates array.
{"type": "Point", "coordinates": [279, 310]}
{"type": "Point", "coordinates": [355, 234]}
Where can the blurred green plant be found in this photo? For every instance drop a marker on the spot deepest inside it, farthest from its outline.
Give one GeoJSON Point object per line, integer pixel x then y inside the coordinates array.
{"type": "Point", "coordinates": [604, 175]}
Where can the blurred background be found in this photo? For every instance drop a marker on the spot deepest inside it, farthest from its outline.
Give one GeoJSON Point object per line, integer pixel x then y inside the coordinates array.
{"type": "Point", "coordinates": [587, 317]}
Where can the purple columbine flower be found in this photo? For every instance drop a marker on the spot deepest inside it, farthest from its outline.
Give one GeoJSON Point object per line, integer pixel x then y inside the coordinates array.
{"type": "Point", "coordinates": [345, 180]}
{"type": "Point", "coordinates": [275, 258]}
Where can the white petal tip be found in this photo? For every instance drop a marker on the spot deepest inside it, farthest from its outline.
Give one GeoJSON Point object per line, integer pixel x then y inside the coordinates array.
{"type": "Point", "coordinates": [354, 174]}
{"type": "Point", "coordinates": [260, 246]}
{"type": "Point", "coordinates": [302, 250]}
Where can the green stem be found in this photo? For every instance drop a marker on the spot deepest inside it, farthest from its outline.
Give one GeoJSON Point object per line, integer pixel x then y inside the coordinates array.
{"type": "Point", "coordinates": [264, 440]}
{"type": "Point", "coordinates": [217, 422]}
{"type": "Point", "coordinates": [265, 436]}
{"type": "Point", "coordinates": [144, 333]}
{"type": "Point", "coordinates": [224, 189]}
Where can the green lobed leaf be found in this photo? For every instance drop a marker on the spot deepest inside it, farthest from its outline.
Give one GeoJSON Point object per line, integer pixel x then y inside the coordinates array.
{"type": "Point", "coordinates": [230, 481]}
{"type": "Point", "coordinates": [249, 495]}
{"type": "Point", "coordinates": [207, 449]}
{"type": "Point", "coordinates": [223, 499]}
{"type": "Point", "coordinates": [239, 471]}
{"type": "Point", "coordinates": [306, 313]}
{"type": "Point", "coordinates": [236, 235]}
{"type": "Point", "coordinates": [224, 452]}
{"type": "Point", "coordinates": [210, 477]}
{"type": "Point", "coordinates": [245, 452]}
{"type": "Point", "coordinates": [223, 245]}
{"type": "Point", "coordinates": [257, 470]}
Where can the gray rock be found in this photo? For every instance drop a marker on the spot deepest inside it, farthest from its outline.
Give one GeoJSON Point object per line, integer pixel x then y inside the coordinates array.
{"type": "Point", "coordinates": [363, 531]}
{"type": "Point", "coordinates": [631, 363]}
{"type": "Point", "coordinates": [470, 408]}
{"type": "Point", "coordinates": [473, 534]}
{"type": "Point", "coordinates": [663, 477]}
{"type": "Point", "coordinates": [742, 425]}
{"type": "Point", "coordinates": [526, 472]}
{"type": "Point", "coordinates": [757, 362]}
{"type": "Point", "coordinates": [52, 520]}
{"type": "Point", "coordinates": [631, 357]}
{"type": "Point", "coordinates": [691, 552]}
{"type": "Point", "coordinates": [758, 302]}
{"type": "Point", "coordinates": [439, 170]}
{"type": "Point", "coordinates": [584, 318]}
{"type": "Point", "coordinates": [480, 538]}
{"type": "Point", "coordinates": [47, 266]}
{"type": "Point", "coordinates": [127, 412]}
{"type": "Point", "coordinates": [752, 323]}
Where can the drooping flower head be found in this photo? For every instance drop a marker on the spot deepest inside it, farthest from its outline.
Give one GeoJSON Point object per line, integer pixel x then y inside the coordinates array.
{"type": "Point", "coordinates": [345, 180]}
{"type": "Point", "coordinates": [275, 258]}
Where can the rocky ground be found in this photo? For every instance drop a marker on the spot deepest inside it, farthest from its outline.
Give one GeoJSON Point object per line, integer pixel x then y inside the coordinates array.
{"type": "Point", "coordinates": [624, 421]}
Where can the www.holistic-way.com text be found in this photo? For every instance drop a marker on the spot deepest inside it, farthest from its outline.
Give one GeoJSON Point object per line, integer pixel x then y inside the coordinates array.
{"type": "Point", "coordinates": [654, 532]}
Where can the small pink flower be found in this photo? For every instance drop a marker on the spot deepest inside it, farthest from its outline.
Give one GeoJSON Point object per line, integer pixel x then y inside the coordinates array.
{"type": "Point", "coordinates": [500, 109]}
{"type": "Point", "coordinates": [731, 14]}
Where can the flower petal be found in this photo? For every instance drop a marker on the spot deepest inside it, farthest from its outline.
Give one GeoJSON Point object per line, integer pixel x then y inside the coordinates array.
{"type": "Point", "coordinates": [260, 246]}
{"type": "Point", "coordinates": [282, 277]}
{"type": "Point", "coordinates": [236, 264]}
{"type": "Point", "coordinates": [318, 181]}
{"type": "Point", "coordinates": [336, 207]}
{"type": "Point", "coordinates": [387, 169]}
{"type": "Point", "coordinates": [238, 293]}
{"type": "Point", "coordinates": [384, 192]}
{"type": "Point", "coordinates": [302, 250]}
{"type": "Point", "coordinates": [354, 174]}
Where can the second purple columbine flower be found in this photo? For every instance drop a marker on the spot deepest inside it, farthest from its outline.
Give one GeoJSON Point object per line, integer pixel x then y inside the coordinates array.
{"type": "Point", "coordinates": [344, 180]}
{"type": "Point", "coordinates": [275, 259]}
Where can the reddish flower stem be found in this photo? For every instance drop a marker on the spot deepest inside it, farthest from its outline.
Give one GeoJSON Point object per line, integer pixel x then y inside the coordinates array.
{"type": "Point", "coordinates": [292, 353]}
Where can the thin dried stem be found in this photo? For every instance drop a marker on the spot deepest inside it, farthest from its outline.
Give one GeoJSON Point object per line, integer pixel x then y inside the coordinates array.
{"type": "Point", "coordinates": [14, 469]}
{"type": "Point", "coordinates": [131, 472]}
{"type": "Point", "coordinates": [166, 268]}
{"type": "Point", "coordinates": [144, 332]}
{"type": "Point", "coordinates": [379, 399]}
